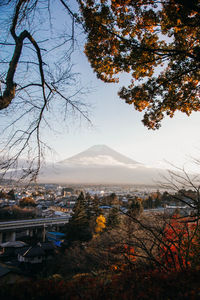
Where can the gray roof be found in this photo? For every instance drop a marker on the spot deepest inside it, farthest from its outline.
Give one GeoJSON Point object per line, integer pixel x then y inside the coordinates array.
{"type": "Point", "coordinates": [32, 251]}
{"type": "Point", "coordinates": [16, 244]}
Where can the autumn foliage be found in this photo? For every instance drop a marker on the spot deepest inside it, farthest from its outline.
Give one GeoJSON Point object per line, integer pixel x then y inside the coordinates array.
{"type": "Point", "coordinates": [128, 285]}
{"type": "Point", "coordinates": [156, 42]}
{"type": "Point", "coordinates": [180, 244]}
{"type": "Point", "coordinates": [101, 224]}
{"type": "Point", "coordinates": [27, 201]}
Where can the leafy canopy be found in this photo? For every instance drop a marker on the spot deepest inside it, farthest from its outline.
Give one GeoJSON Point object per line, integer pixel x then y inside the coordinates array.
{"type": "Point", "coordinates": [157, 42]}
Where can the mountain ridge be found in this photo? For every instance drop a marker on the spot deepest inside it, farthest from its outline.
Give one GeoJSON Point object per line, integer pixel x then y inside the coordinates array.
{"type": "Point", "coordinates": [99, 155]}
{"type": "Point", "coordinates": [100, 164]}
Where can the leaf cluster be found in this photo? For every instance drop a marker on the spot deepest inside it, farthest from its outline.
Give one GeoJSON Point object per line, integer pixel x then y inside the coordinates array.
{"type": "Point", "coordinates": [157, 42]}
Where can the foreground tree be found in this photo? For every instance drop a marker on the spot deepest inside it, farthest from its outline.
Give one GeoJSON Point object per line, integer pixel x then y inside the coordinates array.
{"type": "Point", "coordinates": [180, 247]}
{"type": "Point", "coordinates": [164, 239]}
{"type": "Point", "coordinates": [157, 42]}
{"type": "Point", "coordinates": [36, 78]}
{"type": "Point", "coordinates": [78, 228]}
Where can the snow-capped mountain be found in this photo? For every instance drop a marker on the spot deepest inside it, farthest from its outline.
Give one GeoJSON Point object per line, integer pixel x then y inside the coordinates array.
{"type": "Point", "coordinates": [100, 165]}
{"type": "Point", "coordinates": [100, 155]}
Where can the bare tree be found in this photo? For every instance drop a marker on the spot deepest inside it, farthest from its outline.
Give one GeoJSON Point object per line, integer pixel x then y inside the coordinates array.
{"type": "Point", "coordinates": [165, 239]}
{"type": "Point", "coordinates": [185, 189]}
{"type": "Point", "coordinates": [36, 78]}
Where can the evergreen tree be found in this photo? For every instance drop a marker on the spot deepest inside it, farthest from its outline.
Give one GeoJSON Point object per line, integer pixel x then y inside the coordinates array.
{"type": "Point", "coordinates": [158, 202]}
{"type": "Point", "coordinates": [150, 202]}
{"type": "Point", "coordinates": [96, 211]}
{"type": "Point", "coordinates": [113, 219]}
{"type": "Point", "coordinates": [135, 207]}
{"type": "Point", "coordinates": [78, 228]}
{"type": "Point", "coordinates": [114, 200]}
{"type": "Point", "coordinates": [88, 206]}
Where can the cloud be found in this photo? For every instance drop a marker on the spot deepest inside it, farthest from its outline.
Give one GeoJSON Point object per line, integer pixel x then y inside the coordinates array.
{"type": "Point", "coordinates": [100, 160]}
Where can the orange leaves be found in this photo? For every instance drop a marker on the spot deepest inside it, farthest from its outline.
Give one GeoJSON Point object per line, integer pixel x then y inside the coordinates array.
{"type": "Point", "coordinates": [179, 22]}
{"type": "Point", "coordinates": [126, 258]}
{"type": "Point", "coordinates": [158, 44]}
{"type": "Point", "coordinates": [120, 3]}
{"type": "Point", "coordinates": [129, 253]}
{"type": "Point", "coordinates": [142, 105]}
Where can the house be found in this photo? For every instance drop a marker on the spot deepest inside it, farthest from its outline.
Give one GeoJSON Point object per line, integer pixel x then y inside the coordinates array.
{"type": "Point", "coordinates": [32, 254]}
{"type": "Point", "coordinates": [36, 254]}
{"type": "Point", "coordinates": [10, 249]}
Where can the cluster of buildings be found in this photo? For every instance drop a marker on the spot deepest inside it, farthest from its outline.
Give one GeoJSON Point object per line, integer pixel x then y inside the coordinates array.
{"type": "Point", "coordinates": [47, 200]}
{"type": "Point", "coordinates": [51, 200]}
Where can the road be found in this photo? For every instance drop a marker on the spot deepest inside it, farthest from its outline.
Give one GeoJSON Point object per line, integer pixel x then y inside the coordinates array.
{"type": "Point", "coordinates": [11, 225]}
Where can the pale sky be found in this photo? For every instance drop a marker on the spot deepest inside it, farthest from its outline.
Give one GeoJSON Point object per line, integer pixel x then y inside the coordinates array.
{"type": "Point", "coordinates": [119, 126]}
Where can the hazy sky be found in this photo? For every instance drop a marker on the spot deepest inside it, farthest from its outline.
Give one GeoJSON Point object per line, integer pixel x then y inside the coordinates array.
{"type": "Point", "coordinates": [119, 126]}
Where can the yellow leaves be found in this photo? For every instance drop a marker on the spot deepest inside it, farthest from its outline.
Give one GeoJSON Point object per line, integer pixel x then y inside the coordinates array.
{"type": "Point", "coordinates": [141, 105]}
{"type": "Point", "coordinates": [101, 224]}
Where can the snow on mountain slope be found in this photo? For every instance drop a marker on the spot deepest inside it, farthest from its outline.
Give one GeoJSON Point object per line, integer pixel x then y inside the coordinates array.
{"type": "Point", "coordinates": [100, 155]}
{"type": "Point", "coordinates": [100, 164]}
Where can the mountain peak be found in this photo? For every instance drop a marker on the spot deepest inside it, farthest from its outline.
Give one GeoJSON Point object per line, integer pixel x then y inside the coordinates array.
{"type": "Point", "coordinates": [100, 164]}
{"type": "Point", "coordinates": [99, 148]}
{"type": "Point", "coordinates": [100, 155]}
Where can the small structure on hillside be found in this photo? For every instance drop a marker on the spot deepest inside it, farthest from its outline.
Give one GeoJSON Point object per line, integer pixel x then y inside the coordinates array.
{"type": "Point", "coordinates": [56, 237]}
{"type": "Point", "coordinates": [32, 254]}
{"type": "Point", "coordinates": [10, 249]}
{"type": "Point", "coordinates": [36, 254]}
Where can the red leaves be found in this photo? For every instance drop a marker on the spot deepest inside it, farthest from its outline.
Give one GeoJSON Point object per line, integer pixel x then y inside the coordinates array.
{"type": "Point", "coordinates": [179, 243]}
{"type": "Point", "coordinates": [139, 285]}
{"type": "Point", "coordinates": [129, 253]}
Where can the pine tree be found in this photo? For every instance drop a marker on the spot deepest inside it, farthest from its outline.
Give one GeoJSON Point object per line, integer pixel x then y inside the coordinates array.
{"type": "Point", "coordinates": [113, 219]}
{"type": "Point", "coordinates": [88, 206]}
{"type": "Point", "coordinates": [96, 211]}
{"type": "Point", "coordinates": [136, 207]}
{"type": "Point", "coordinates": [78, 228]}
